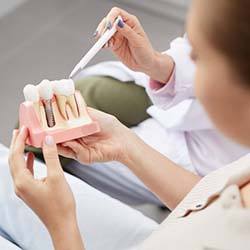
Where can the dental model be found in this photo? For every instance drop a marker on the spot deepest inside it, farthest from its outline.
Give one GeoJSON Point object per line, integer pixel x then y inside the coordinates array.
{"type": "Point", "coordinates": [65, 95]}
{"type": "Point", "coordinates": [57, 109]}
{"type": "Point", "coordinates": [31, 94]}
{"type": "Point", "coordinates": [46, 94]}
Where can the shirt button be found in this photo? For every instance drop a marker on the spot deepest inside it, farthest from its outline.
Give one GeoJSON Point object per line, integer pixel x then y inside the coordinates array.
{"type": "Point", "coordinates": [234, 197]}
{"type": "Point", "coordinates": [198, 206]}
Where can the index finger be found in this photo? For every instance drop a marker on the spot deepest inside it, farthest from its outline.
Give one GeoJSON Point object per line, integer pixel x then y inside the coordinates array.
{"type": "Point", "coordinates": [126, 17]}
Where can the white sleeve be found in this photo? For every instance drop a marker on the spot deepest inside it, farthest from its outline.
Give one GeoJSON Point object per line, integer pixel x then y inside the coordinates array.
{"type": "Point", "coordinates": [180, 87]}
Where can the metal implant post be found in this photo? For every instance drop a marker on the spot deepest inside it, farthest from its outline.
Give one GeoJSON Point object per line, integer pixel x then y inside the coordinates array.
{"type": "Point", "coordinates": [49, 113]}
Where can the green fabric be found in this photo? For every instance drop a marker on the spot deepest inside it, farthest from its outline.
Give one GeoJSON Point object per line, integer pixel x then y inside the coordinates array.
{"type": "Point", "coordinates": [127, 101]}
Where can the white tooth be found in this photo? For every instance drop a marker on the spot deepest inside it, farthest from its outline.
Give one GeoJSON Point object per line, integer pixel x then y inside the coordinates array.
{"type": "Point", "coordinates": [65, 90]}
{"type": "Point", "coordinates": [31, 93]}
{"type": "Point", "coordinates": [46, 93]}
{"type": "Point", "coordinates": [53, 83]}
{"type": "Point", "coordinates": [71, 87]}
{"type": "Point", "coordinates": [64, 87]}
{"type": "Point", "coordinates": [60, 90]}
{"type": "Point", "coordinates": [45, 90]}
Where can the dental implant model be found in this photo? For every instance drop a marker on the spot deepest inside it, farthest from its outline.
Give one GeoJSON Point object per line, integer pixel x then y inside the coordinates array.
{"type": "Point", "coordinates": [31, 94]}
{"type": "Point", "coordinates": [65, 95]}
{"type": "Point", "coordinates": [46, 94]}
{"type": "Point", "coordinates": [56, 109]}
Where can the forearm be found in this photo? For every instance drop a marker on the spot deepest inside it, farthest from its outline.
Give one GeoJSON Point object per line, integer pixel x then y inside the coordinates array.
{"type": "Point", "coordinates": [162, 68]}
{"type": "Point", "coordinates": [66, 236]}
{"type": "Point", "coordinates": [166, 179]}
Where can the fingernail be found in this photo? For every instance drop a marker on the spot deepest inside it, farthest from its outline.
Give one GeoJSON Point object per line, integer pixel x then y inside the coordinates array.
{"type": "Point", "coordinates": [120, 23]}
{"type": "Point", "coordinates": [95, 33]}
{"type": "Point", "coordinates": [49, 140]}
{"type": "Point", "coordinates": [109, 25]}
{"type": "Point", "coordinates": [14, 131]}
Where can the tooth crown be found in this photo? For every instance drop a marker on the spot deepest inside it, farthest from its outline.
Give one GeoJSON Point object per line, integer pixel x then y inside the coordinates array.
{"type": "Point", "coordinates": [46, 90]}
{"type": "Point", "coordinates": [31, 93]}
{"type": "Point", "coordinates": [64, 87]}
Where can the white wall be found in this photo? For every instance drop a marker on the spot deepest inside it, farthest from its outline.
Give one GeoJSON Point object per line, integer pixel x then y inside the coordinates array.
{"type": "Point", "coordinates": [183, 3]}
{"type": "Point", "coordinates": [172, 8]}
{"type": "Point", "coordinates": [8, 5]}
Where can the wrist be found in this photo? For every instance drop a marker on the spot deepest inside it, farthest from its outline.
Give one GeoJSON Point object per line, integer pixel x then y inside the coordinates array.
{"type": "Point", "coordinates": [133, 147]}
{"type": "Point", "coordinates": [162, 67]}
{"type": "Point", "coordinates": [55, 227]}
{"type": "Point", "coordinates": [66, 235]}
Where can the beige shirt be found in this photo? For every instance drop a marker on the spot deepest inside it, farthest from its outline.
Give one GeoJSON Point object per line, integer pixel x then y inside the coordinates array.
{"type": "Point", "coordinates": [202, 222]}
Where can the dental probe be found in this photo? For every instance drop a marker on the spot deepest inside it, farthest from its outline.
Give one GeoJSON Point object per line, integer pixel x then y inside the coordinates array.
{"type": "Point", "coordinates": [95, 49]}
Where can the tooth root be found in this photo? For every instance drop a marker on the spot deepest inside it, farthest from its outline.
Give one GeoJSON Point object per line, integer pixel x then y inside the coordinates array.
{"type": "Point", "coordinates": [61, 103]}
{"type": "Point", "coordinates": [82, 107]}
{"type": "Point", "coordinates": [72, 103]}
{"type": "Point", "coordinates": [37, 109]}
{"type": "Point", "coordinates": [69, 112]}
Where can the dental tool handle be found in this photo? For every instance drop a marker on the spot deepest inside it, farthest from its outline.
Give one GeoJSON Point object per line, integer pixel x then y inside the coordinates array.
{"type": "Point", "coordinates": [95, 49]}
{"type": "Point", "coordinates": [49, 113]}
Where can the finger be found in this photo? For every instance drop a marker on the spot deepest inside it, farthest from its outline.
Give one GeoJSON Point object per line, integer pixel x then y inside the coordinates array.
{"type": "Point", "coordinates": [100, 28]}
{"type": "Point", "coordinates": [89, 140]}
{"type": "Point", "coordinates": [75, 146]}
{"type": "Point", "coordinates": [19, 141]}
{"type": "Point", "coordinates": [107, 25]}
{"type": "Point", "coordinates": [94, 113]}
{"type": "Point", "coordinates": [81, 151]}
{"type": "Point", "coordinates": [111, 42]}
{"type": "Point", "coordinates": [99, 116]}
{"type": "Point", "coordinates": [13, 140]}
{"type": "Point", "coordinates": [105, 46]}
{"type": "Point", "coordinates": [127, 32]}
{"type": "Point", "coordinates": [66, 152]}
{"type": "Point", "coordinates": [16, 157]}
{"type": "Point", "coordinates": [51, 157]}
{"type": "Point", "coordinates": [127, 18]}
{"type": "Point", "coordinates": [30, 162]}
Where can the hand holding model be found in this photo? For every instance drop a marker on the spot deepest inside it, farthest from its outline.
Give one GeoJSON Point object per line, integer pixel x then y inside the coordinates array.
{"type": "Point", "coordinates": [110, 144]}
{"type": "Point", "coordinates": [44, 196]}
{"type": "Point", "coordinates": [132, 46]}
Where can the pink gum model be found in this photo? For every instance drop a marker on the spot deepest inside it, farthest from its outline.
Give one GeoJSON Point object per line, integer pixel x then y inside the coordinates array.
{"type": "Point", "coordinates": [29, 118]}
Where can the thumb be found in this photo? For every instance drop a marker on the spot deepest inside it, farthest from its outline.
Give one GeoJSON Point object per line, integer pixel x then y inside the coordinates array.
{"type": "Point", "coordinates": [51, 156]}
{"type": "Point", "coordinates": [126, 31]}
